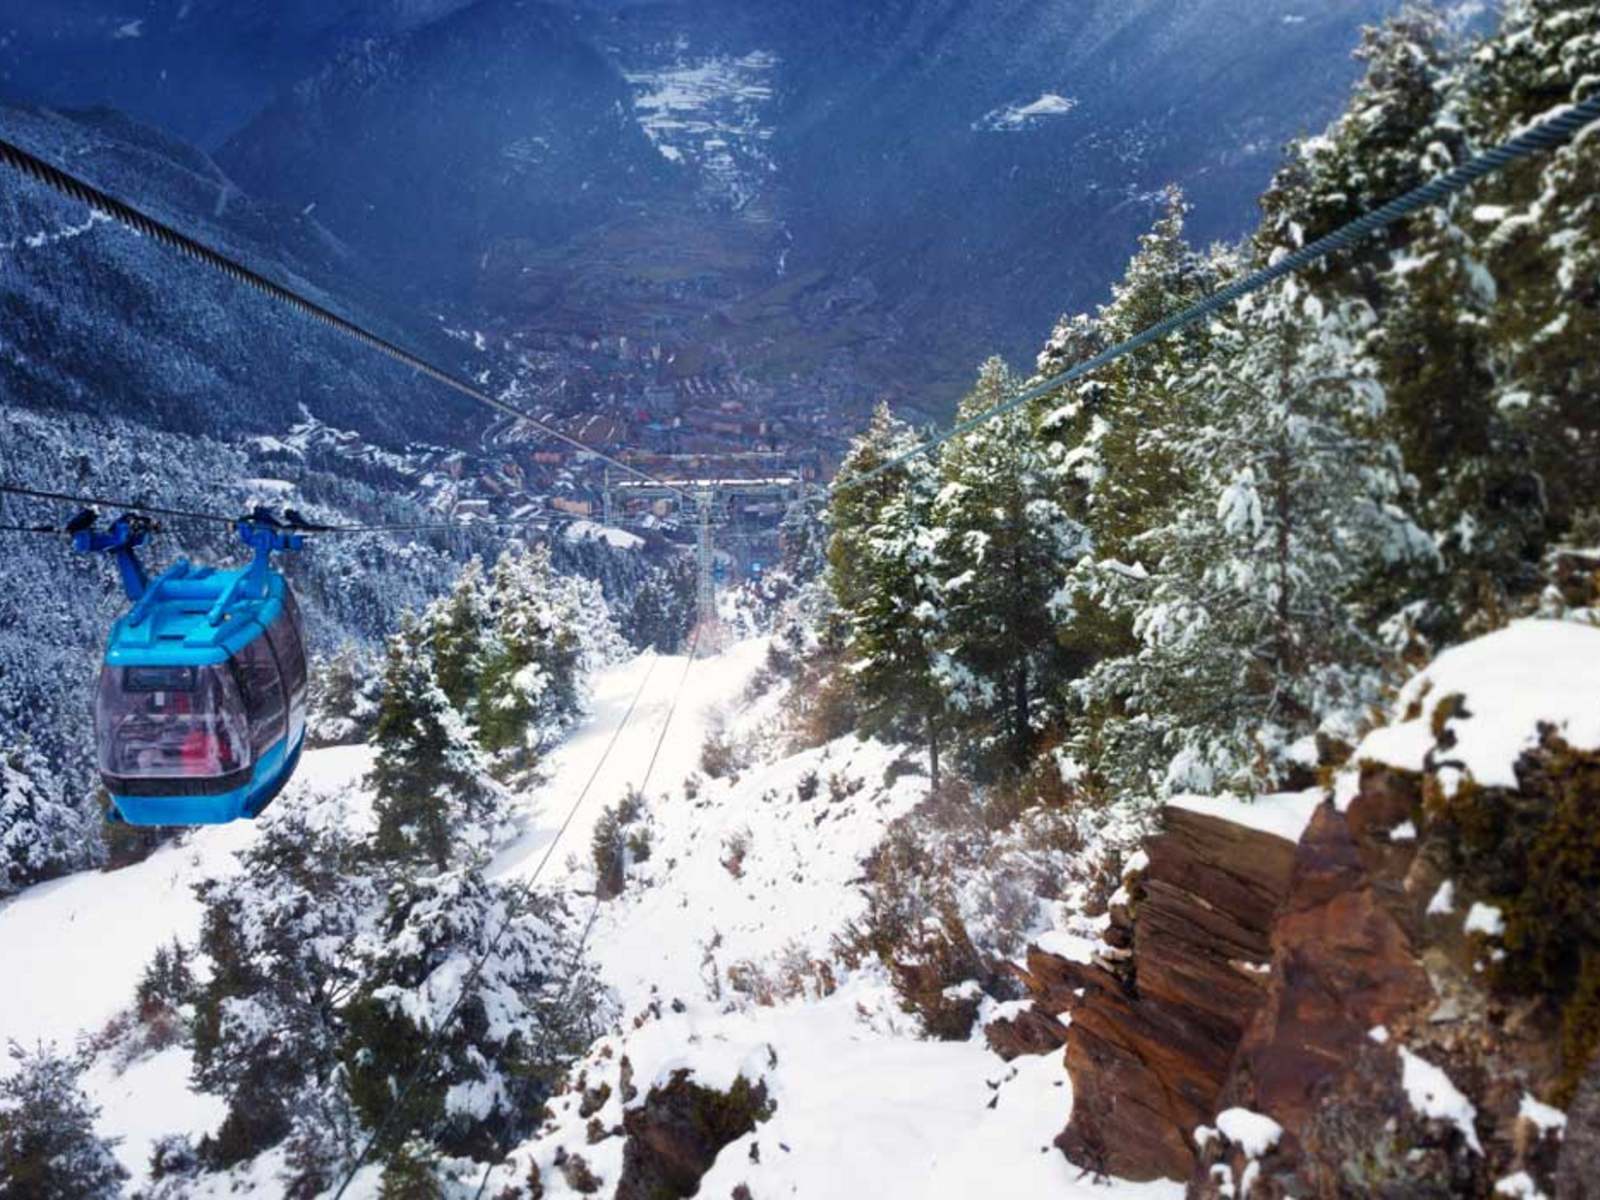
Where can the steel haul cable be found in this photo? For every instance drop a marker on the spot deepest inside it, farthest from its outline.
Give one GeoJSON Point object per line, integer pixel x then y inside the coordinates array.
{"type": "Point", "coordinates": [525, 886]}
{"type": "Point", "coordinates": [125, 214]}
{"type": "Point", "coordinates": [1548, 134]}
{"type": "Point", "coordinates": [218, 518]}
{"type": "Point", "coordinates": [594, 909]}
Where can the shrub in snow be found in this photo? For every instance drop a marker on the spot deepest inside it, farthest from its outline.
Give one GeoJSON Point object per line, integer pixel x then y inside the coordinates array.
{"type": "Point", "coordinates": [48, 1146]}
{"type": "Point", "coordinates": [41, 835]}
{"type": "Point", "coordinates": [518, 1019]}
{"type": "Point", "coordinates": [614, 841]}
{"type": "Point", "coordinates": [1532, 854]}
{"type": "Point", "coordinates": [719, 755]}
{"type": "Point", "coordinates": [411, 1173]}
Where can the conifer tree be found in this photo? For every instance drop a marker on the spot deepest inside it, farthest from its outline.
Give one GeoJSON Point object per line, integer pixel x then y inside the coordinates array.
{"type": "Point", "coordinates": [854, 508]}
{"type": "Point", "coordinates": [895, 625]}
{"type": "Point", "coordinates": [456, 626]}
{"type": "Point", "coordinates": [342, 705]}
{"type": "Point", "coordinates": [278, 935]}
{"type": "Point", "coordinates": [41, 836]}
{"type": "Point", "coordinates": [1004, 542]}
{"type": "Point", "coordinates": [1252, 625]}
{"type": "Point", "coordinates": [428, 775]}
{"type": "Point", "coordinates": [514, 1023]}
{"type": "Point", "coordinates": [1114, 439]}
{"type": "Point", "coordinates": [529, 685]}
{"type": "Point", "coordinates": [48, 1147]}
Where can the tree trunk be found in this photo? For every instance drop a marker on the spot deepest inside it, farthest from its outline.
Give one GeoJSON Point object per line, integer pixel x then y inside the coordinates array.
{"type": "Point", "coordinates": [933, 751]}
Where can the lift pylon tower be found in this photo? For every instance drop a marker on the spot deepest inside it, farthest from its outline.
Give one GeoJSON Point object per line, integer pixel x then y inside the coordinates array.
{"type": "Point", "coordinates": [711, 498]}
{"type": "Point", "coordinates": [705, 584]}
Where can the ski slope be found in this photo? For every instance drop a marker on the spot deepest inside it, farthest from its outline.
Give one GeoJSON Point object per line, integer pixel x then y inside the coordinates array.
{"type": "Point", "coordinates": [861, 1099]}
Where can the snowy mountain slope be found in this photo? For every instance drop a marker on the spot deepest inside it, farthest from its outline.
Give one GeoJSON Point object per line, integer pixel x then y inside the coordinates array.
{"type": "Point", "coordinates": [684, 949]}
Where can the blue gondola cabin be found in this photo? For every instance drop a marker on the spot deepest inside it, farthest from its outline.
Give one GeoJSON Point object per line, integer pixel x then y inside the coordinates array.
{"type": "Point", "coordinates": [201, 709]}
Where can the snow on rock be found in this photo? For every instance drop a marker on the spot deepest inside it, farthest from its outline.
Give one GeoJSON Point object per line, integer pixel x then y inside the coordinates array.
{"type": "Point", "coordinates": [1531, 673]}
{"type": "Point", "coordinates": [1444, 899]}
{"type": "Point", "coordinates": [1545, 1116]}
{"type": "Point", "coordinates": [853, 1105]}
{"type": "Point", "coordinates": [1283, 814]}
{"type": "Point", "coordinates": [1519, 1184]}
{"type": "Point", "coordinates": [1018, 116]}
{"type": "Point", "coordinates": [1252, 1132]}
{"type": "Point", "coordinates": [1433, 1095]}
{"type": "Point", "coordinates": [1485, 919]}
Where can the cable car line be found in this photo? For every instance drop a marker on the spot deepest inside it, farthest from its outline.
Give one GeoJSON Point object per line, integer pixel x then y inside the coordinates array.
{"type": "Point", "coordinates": [1548, 134]}
{"type": "Point", "coordinates": [304, 527]}
{"type": "Point", "coordinates": [594, 909]}
{"type": "Point", "coordinates": [125, 214]}
{"type": "Point", "coordinates": [525, 886]}
{"type": "Point", "coordinates": [101, 502]}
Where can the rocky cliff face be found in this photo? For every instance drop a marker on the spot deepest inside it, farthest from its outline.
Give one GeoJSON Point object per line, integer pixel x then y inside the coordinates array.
{"type": "Point", "coordinates": [1400, 1003]}
{"type": "Point", "coordinates": [1153, 1025]}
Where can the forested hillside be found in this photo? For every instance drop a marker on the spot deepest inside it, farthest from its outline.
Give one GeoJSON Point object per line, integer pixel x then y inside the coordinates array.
{"type": "Point", "coordinates": [1242, 535]}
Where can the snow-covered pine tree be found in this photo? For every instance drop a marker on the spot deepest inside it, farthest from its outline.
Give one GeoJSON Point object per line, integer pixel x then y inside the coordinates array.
{"type": "Point", "coordinates": [456, 625]}
{"type": "Point", "coordinates": [1004, 541]}
{"type": "Point", "coordinates": [343, 704]}
{"type": "Point", "coordinates": [894, 627]}
{"type": "Point", "coordinates": [532, 662]}
{"type": "Point", "coordinates": [853, 508]}
{"type": "Point", "coordinates": [48, 1147]}
{"type": "Point", "coordinates": [279, 936]}
{"type": "Point", "coordinates": [1112, 439]}
{"type": "Point", "coordinates": [1253, 627]}
{"type": "Point", "coordinates": [803, 540]}
{"type": "Point", "coordinates": [662, 611]}
{"type": "Point", "coordinates": [433, 798]}
{"type": "Point", "coordinates": [41, 835]}
{"type": "Point", "coordinates": [1389, 139]}
{"type": "Point", "coordinates": [1537, 230]}
{"type": "Point", "coordinates": [519, 1022]}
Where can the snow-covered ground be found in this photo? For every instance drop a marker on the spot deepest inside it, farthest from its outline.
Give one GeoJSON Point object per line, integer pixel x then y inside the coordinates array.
{"type": "Point", "coordinates": [746, 882]}
{"type": "Point", "coordinates": [710, 112]}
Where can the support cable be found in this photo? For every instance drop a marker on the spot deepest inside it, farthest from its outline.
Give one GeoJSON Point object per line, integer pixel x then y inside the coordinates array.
{"type": "Point", "coordinates": [525, 886]}
{"type": "Point", "coordinates": [1548, 134]}
{"type": "Point", "coordinates": [219, 519]}
{"type": "Point", "coordinates": [594, 909]}
{"type": "Point", "coordinates": [142, 223]}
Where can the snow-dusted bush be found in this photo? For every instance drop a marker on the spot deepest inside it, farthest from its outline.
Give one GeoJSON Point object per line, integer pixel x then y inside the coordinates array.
{"type": "Point", "coordinates": [41, 835]}
{"type": "Point", "coordinates": [48, 1147]}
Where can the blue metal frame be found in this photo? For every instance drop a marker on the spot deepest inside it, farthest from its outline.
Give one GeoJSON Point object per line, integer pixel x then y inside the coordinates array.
{"type": "Point", "coordinates": [197, 616]}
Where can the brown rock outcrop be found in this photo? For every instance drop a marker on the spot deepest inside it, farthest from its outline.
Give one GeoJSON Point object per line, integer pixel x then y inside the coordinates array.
{"type": "Point", "coordinates": [1152, 1035]}
{"type": "Point", "coordinates": [676, 1134]}
{"type": "Point", "coordinates": [1360, 969]}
